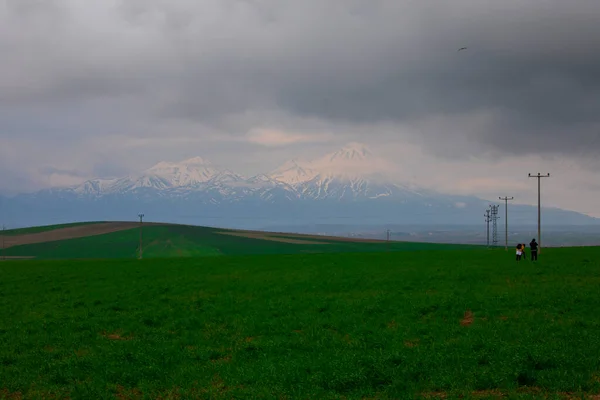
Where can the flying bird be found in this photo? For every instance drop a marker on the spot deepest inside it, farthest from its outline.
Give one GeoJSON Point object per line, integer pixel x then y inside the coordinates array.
{"type": "Point", "coordinates": [462, 48]}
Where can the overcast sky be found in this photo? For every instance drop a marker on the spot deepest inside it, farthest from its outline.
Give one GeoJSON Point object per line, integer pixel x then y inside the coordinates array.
{"type": "Point", "coordinates": [100, 88]}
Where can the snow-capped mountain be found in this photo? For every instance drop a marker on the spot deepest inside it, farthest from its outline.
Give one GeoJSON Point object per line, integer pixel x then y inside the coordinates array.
{"type": "Point", "coordinates": [351, 183]}
{"type": "Point", "coordinates": [352, 151]}
{"type": "Point", "coordinates": [186, 174]}
{"type": "Point", "coordinates": [351, 172]}
{"type": "Point", "coordinates": [352, 162]}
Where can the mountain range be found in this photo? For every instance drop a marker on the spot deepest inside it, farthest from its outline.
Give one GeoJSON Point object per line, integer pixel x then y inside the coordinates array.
{"type": "Point", "coordinates": [347, 185]}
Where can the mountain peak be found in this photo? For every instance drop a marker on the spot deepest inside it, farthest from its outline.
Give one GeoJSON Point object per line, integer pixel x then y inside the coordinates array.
{"type": "Point", "coordinates": [174, 174]}
{"type": "Point", "coordinates": [351, 151]}
{"type": "Point", "coordinates": [195, 161]}
{"type": "Point", "coordinates": [356, 146]}
{"type": "Point", "coordinates": [352, 162]}
{"type": "Point", "coordinates": [293, 171]}
{"type": "Point", "coordinates": [294, 163]}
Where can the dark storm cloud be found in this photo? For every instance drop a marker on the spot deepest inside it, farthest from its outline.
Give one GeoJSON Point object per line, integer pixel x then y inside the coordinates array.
{"type": "Point", "coordinates": [530, 73]}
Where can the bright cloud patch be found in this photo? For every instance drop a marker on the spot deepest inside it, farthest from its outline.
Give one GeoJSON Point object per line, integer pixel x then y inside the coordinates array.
{"type": "Point", "coordinates": [276, 138]}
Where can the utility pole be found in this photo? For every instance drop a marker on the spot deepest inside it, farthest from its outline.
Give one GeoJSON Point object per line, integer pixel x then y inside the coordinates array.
{"type": "Point", "coordinates": [487, 221]}
{"type": "Point", "coordinates": [506, 198]}
{"type": "Point", "coordinates": [141, 217]}
{"type": "Point", "coordinates": [3, 233]}
{"type": "Point", "coordinates": [494, 217]}
{"type": "Point", "coordinates": [388, 240]}
{"type": "Point", "coordinates": [539, 238]}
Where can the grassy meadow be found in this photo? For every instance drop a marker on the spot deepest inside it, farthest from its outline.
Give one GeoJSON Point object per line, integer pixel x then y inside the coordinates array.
{"type": "Point", "coordinates": [397, 325]}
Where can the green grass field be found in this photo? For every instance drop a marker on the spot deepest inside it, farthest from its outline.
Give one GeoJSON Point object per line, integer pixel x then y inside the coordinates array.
{"type": "Point", "coordinates": [194, 241]}
{"type": "Point", "coordinates": [396, 325]}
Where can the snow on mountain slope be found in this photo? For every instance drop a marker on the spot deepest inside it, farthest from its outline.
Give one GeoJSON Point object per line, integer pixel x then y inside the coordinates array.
{"type": "Point", "coordinates": [293, 172]}
{"type": "Point", "coordinates": [352, 172]}
{"type": "Point", "coordinates": [352, 162]}
{"type": "Point", "coordinates": [353, 151]}
{"type": "Point", "coordinates": [189, 172]}
{"type": "Point", "coordinates": [95, 186]}
{"type": "Point", "coordinates": [164, 175]}
{"type": "Point", "coordinates": [335, 187]}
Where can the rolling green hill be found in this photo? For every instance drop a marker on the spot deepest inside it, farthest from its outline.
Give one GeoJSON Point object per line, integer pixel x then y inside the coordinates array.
{"type": "Point", "coordinates": [438, 324]}
{"type": "Point", "coordinates": [44, 228]}
{"type": "Point", "coordinates": [191, 241]}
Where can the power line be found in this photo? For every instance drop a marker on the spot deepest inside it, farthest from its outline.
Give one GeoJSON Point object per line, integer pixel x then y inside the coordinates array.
{"type": "Point", "coordinates": [539, 176]}
{"type": "Point", "coordinates": [506, 198]}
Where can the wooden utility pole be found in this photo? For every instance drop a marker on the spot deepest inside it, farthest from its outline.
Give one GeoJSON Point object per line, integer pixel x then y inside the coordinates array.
{"type": "Point", "coordinates": [141, 217]}
{"type": "Point", "coordinates": [388, 240]}
{"type": "Point", "coordinates": [506, 198]}
{"type": "Point", "coordinates": [539, 238]}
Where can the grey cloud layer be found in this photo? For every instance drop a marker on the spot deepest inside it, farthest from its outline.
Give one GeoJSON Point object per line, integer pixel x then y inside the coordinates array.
{"type": "Point", "coordinates": [531, 73]}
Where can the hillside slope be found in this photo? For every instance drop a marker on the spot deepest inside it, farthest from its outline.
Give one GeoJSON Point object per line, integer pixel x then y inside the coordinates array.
{"type": "Point", "coordinates": [165, 240]}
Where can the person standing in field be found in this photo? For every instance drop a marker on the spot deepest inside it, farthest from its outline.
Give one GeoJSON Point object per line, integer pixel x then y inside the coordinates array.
{"type": "Point", "coordinates": [519, 252]}
{"type": "Point", "coordinates": [523, 247]}
{"type": "Point", "coordinates": [534, 249]}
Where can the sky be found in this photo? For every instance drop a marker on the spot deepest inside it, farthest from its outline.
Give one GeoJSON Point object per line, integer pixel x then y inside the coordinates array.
{"type": "Point", "coordinates": [104, 88]}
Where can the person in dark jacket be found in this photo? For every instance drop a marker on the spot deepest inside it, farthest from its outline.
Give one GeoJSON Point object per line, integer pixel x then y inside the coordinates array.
{"type": "Point", "coordinates": [534, 249]}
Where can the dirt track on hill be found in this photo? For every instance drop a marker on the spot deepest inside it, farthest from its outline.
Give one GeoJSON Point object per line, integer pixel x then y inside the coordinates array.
{"type": "Point", "coordinates": [69, 233]}
{"type": "Point", "coordinates": [309, 236]}
{"type": "Point", "coordinates": [266, 236]}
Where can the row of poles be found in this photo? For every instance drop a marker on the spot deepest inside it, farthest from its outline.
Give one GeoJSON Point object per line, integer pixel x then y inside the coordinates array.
{"type": "Point", "coordinates": [492, 215]}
